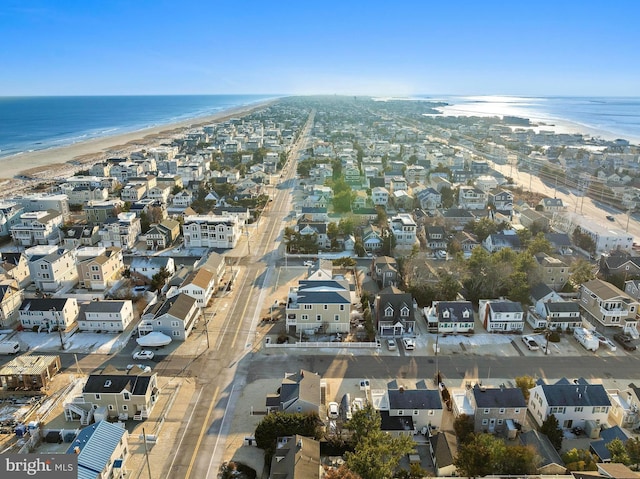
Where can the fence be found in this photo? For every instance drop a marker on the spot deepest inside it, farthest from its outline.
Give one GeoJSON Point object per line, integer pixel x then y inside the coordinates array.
{"type": "Point", "coordinates": [325, 344]}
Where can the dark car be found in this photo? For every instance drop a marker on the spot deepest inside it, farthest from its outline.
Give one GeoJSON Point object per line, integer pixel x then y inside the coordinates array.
{"type": "Point", "coordinates": [625, 341]}
{"type": "Point", "coordinates": [610, 218]}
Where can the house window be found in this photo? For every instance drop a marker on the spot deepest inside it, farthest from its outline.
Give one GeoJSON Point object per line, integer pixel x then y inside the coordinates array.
{"type": "Point", "coordinates": [175, 333]}
{"type": "Point", "coordinates": [486, 411]}
{"type": "Point", "coordinates": [578, 409]}
{"type": "Point", "coordinates": [416, 412]}
{"type": "Point", "coordinates": [516, 411]}
{"type": "Point", "coordinates": [501, 411]}
{"type": "Point", "coordinates": [336, 317]}
{"type": "Point", "coordinates": [342, 307]}
{"type": "Point", "coordinates": [400, 412]}
{"type": "Point", "coordinates": [431, 412]}
{"type": "Point", "coordinates": [500, 421]}
{"type": "Point", "coordinates": [307, 306]}
{"type": "Point", "coordinates": [485, 422]}
{"type": "Point", "coordinates": [325, 306]}
{"type": "Point", "coordinates": [97, 397]}
{"type": "Point", "coordinates": [175, 324]}
{"type": "Point", "coordinates": [127, 396]}
{"type": "Point", "coordinates": [318, 317]}
{"type": "Point", "coordinates": [304, 317]}
{"type": "Point", "coordinates": [125, 407]}
{"type": "Point", "coordinates": [110, 407]}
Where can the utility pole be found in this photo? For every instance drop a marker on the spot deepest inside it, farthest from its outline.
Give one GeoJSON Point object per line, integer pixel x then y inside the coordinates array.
{"type": "Point", "coordinates": [146, 452]}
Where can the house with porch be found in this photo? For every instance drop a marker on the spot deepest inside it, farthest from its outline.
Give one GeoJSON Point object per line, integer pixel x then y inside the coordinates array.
{"type": "Point", "coordinates": [115, 394]}
{"type": "Point", "coordinates": [394, 312]}
{"type": "Point", "coordinates": [604, 305]}
{"type": "Point", "coordinates": [175, 317]}
{"type": "Point", "coordinates": [48, 313]}
{"type": "Point", "coordinates": [319, 305]}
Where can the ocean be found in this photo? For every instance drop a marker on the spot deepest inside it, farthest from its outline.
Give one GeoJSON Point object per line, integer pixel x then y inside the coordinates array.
{"type": "Point", "coordinates": [37, 123]}
{"type": "Point", "coordinates": [608, 117]}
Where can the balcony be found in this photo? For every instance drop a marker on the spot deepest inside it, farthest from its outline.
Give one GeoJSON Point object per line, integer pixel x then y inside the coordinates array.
{"type": "Point", "coordinates": [145, 327]}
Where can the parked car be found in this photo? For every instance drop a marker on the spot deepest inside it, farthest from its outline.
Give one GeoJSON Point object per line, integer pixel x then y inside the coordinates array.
{"type": "Point", "coordinates": [610, 218]}
{"type": "Point", "coordinates": [143, 354]}
{"type": "Point", "coordinates": [409, 344]}
{"type": "Point", "coordinates": [144, 367]}
{"type": "Point", "coordinates": [333, 411]}
{"type": "Point", "coordinates": [531, 343]}
{"type": "Point", "coordinates": [307, 263]}
{"type": "Point", "coordinates": [625, 341]}
{"type": "Point", "coordinates": [391, 345]}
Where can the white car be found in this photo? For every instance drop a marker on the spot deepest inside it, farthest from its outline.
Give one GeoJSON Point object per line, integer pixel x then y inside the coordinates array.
{"type": "Point", "coordinates": [143, 354]}
{"type": "Point", "coordinates": [531, 343]}
{"type": "Point", "coordinates": [307, 263]}
{"type": "Point", "coordinates": [391, 345]}
{"type": "Point", "coordinates": [333, 411]}
{"type": "Point", "coordinates": [144, 367]}
{"type": "Point", "coordinates": [409, 344]}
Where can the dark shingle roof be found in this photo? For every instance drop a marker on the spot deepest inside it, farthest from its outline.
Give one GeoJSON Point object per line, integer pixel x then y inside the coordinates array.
{"type": "Point", "coordinates": [395, 423]}
{"type": "Point", "coordinates": [456, 311]}
{"type": "Point", "coordinates": [499, 397]}
{"type": "Point", "coordinates": [116, 383]}
{"type": "Point", "coordinates": [561, 394]}
{"type": "Point", "coordinates": [506, 306]}
{"type": "Point", "coordinates": [414, 399]}
{"type": "Point", "coordinates": [43, 304]}
{"type": "Point", "coordinates": [540, 290]}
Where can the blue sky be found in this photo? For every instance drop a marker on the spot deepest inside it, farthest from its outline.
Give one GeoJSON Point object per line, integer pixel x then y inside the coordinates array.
{"type": "Point", "coordinates": [72, 47]}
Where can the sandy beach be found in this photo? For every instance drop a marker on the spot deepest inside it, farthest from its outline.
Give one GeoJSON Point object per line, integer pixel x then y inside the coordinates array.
{"type": "Point", "coordinates": [60, 162]}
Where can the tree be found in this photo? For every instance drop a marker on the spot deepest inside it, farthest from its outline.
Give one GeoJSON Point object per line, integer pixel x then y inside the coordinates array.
{"type": "Point", "coordinates": [517, 460]}
{"type": "Point", "coordinates": [463, 426]}
{"type": "Point", "coordinates": [633, 449]}
{"type": "Point", "coordinates": [474, 457]}
{"type": "Point", "coordinates": [539, 244]}
{"type": "Point", "coordinates": [552, 430]}
{"type": "Point", "coordinates": [362, 421]}
{"type": "Point", "coordinates": [519, 289]}
{"type": "Point", "coordinates": [584, 241]}
{"type": "Point", "coordinates": [448, 287]}
{"type": "Point", "coordinates": [341, 473]}
{"type": "Point", "coordinates": [581, 271]}
{"type": "Point", "coordinates": [378, 454]}
{"type": "Point", "coordinates": [159, 279]}
{"type": "Point", "coordinates": [280, 424]}
{"type": "Point", "coordinates": [618, 452]}
{"type": "Point", "coordinates": [525, 383]}
{"type": "Point", "coordinates": [342, 201]}
{"type": "Point", "coordinates": [448, 197]}
{"type": "Point", "coordinates": [579, 460]}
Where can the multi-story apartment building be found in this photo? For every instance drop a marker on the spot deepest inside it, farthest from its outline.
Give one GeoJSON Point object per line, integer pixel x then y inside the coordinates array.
{"type": "Point", "coordinates": [604, 304]}
{"type": "Point", "coordinates": [211, 231]}
{"type": "Point", "coordinates": [38, 228]}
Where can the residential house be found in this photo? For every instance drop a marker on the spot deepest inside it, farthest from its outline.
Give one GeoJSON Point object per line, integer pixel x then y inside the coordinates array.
{"type": "Point", "coordinates": [625, 404]}
{"type": "Point", "coordinates": [502, 200]}
{"type": "Point", "coordinates": [11, 296]}
{"type": "Point", "coordinates": [38, 227]}
{"type": "Point", "coordinates": [163, 234]}
{"type": "Point", "coordinates": [16, 266]}
{"type": "Point", "coordinates": [560, 242]}
{"type": "Point", "coordinates": [29, 372]}
{"type": "Point", "coordinates": [52, 268]}
{"type": "Point", "coordinates": [216, 264]}
{"type": "Point", "coordinates": [115, 394]}
{"type": "Point", "coordinates": [98, 213]}
{"type": "Point", "coordinates": [471, 198]}
{"type": "Point", "coordinates": [122, 231]}
{"type": "Point", "coordinates": [107, 316]}
{"type": "Point", "coordinates": [436, 238]}
{"type": "Point", "coordinates": [499, 241]}
{"type": "Point", "coordinates": [486, 183]}
{"type": "Point", "coordinates": [456, 219]}
{"type": "Point", "coordinates": [384, 271]}
{"type": "Point", "coordinates": [319, 305]}
{"type": "Point", "coordinates": [404, 229]}
{"type": "Point", "coordinates": [501, 315]}
{"type": "Point", "coordinates": [296, 457]}
{"type": "Point", "coordinates": [133, 192]}
{"type": "Point", "coordinates": [466, 241]}
{"type": "Point", "coordinates": [450, 317]}
{"type": "Point", "coordinates": [604, 304]}
{"type": "Point", "coordinates": [619, 263]}
{"type": "Point", "coordinates": [182, 199]}
{"type": "Point", "coordinates": [372, 238]}
{"type": "Point", "coordinates": [102, 449]}
{"type": "Point", "coordinates": [429, 198]}
{"type": "Point", "coordinates": [10, 212]}
{"type": "Point", "coordinates": [316, 229]}
{"type": "Point", "coordinates": [99, 267]}
{"type": "Point", "coordinates": [379, 196]}
{"type": "Point", "coordinates": [549, 462]}
{"type": "Point", "coordinates": [211, 231]}
{"type": "Point", "coordinates": [553, 272]}
{"type": "Point", "coordinates": [48, 313]}
{"type": "Point", "coordinates": [599, 448]}
{"type": "Point", "coordinates": [160, 193]}
{"type": "Point", "coordinates": [175, 317]}
{"type": "Point", "coordinates": [394, 312]}
{"type": "Point", "coordinates": [315, 213]}
{"type": "Point", "coordinates": [497, 410]}
{"type": "Point", "coordinates": [45, 202]}
{"type": "Point", "coordinates": [551, 311]}
{"type": "Point", "coordinates": [534, 220]}
{"type": "Point", "coordinates": [149, 266]}
{"type": "Point", "coordinates": [81, 235]}
{"type": "Point", "coordinates": [572, 403]}
{"type": "Point", "coordinates": [552, 205]}
{"type": "Point", "coordinates": [200, 285]}
{"type": "Point", "coordinates": [299, 393]}
{"type": "Point", "coordinates": [422, 405]}
{"type": "Point", "coordinates": [81, 195]}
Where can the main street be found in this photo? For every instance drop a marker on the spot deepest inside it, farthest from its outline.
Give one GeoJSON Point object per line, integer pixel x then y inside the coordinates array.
{"type": "Point", "coordinates": [220, 372]}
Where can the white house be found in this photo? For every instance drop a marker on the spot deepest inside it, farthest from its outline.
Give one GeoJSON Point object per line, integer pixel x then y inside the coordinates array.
{"type": "Point", "coordinates": [211, 231]}
{"type": "Point", "coordinates": [501, 315]}
{"type": "Point", "coordinates": [52, 268]}
{"type": "Point", "coordinates": [572, 403]}
{"type": "Point", "coordinates": [404, 229]}
{"type": "Point", "coordinates": [106, 316]}
{"type": "Point", "coordinates": [151, 265]}
{"type": "Point", "coordinates": [48, 313]}
{"type": "Point", "coordinates": [200, 285]}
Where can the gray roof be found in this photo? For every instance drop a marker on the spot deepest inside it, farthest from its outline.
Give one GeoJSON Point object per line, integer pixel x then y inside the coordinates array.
{"type": "Point", "coordinates": [104, 306]}
{"type": "Point", "coordinates": [44, 304]}
{"type": "Point", "coordinates": [395, 423]}
{"type": "Point", "coordinates": [541, 443]}
{"type": "Point", "coordinates": [562, 307]}
{"type": "Point", "coordinates": [97, 444]}
{"type": "Point", "coordinates": [505, 306]}
{"type": "Point", "coordinates": [540, 290]}
{"type": "Point", "coordinates": [558, 239]}
{"type": "Point", "coordinates": [566, 394]}
{"type": "Point", "coordinates": [456, 310]}
{"type": "Point", "coordinates": [499, 397]}
{"type": "Point", "coordinates": [414, 399]}
{"type": "Point", "coordinates": [299, 457]}
{"type": "Point", "coordinates": [606, 436]}
{"type": "Point", "coordinates": [441, 450]}
{"type": "Point", "coordinates": [116, 383]}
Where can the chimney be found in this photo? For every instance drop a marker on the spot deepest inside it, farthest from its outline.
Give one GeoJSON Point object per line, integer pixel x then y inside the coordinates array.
{"type": "Point", "coordinates": [401, 389]}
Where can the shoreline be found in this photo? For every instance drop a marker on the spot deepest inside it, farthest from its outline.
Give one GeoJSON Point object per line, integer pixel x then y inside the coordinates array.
{"type": "Point", "coordinates": [53, 162]}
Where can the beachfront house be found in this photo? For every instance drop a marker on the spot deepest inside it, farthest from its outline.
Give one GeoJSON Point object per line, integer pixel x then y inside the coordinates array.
{"type": "Point", "coordinates": [38, 227]}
